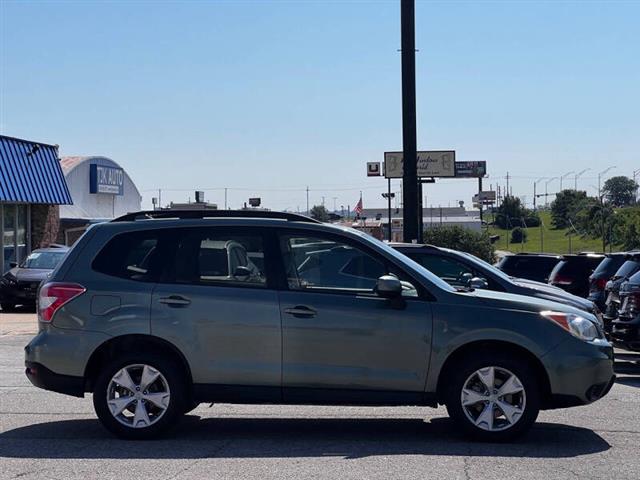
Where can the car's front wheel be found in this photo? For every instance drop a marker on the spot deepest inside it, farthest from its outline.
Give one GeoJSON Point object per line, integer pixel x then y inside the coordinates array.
{"type": "Point", "coordinates": [493, 397]}
{"type": "Point", "coordinates": [139, 396]}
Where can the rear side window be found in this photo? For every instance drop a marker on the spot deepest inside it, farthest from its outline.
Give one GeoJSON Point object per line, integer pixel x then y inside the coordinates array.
{"type": "Point", "coordinates": [209, 256]}
{"type": "Point", "coordinates": [608, 266]}
{"type": "Point", "coordinates": [627, 269]}
{"type": "Point", "coordinates": [133, 255]}
{"type": "Point", "coordinates": [448, 269]}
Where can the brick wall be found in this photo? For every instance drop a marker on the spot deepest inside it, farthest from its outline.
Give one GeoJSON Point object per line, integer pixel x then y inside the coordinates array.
{"type": "Point", "coordinates": [45, 223]}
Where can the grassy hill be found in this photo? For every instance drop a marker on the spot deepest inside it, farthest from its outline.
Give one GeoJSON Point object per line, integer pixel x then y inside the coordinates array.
{"type": "Point", "coordinates": [553, 241]}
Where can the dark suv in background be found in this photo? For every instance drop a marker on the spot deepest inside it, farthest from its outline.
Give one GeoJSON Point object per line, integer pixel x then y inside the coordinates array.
{"type": "Point", "coordinates": [461, 269]}
{"type": "Point", "coordinates": [572, 272]}
{"type": "Point", "coordinates": [630, 266]}
{"type": "Point", "coordinates": [601, 275]}
{"type": "Point", "coordinates": [625, 330]}
{"type": "Point", "coordinates": [533, 266]}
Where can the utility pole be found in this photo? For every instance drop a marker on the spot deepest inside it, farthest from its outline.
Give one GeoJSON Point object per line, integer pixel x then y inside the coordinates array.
{"type": "Point", "coordinates": [480, 200]}
{"type": "Point", "coordinates": [225, 198]}
{"type": "Point", "coordinates": [535, 186]}
{"type": "Point", "coordinates": [334, 204]}
{"type": "Point", "coordinates": [546, 193]}
{"type": "Point", "coordinates": [409, 142]}
{"type": "Point", "coordinates": [160, 198]}
{"type": "Point", "coordinates": [307, 200]}
{"type": "Point", "coordinates": [507, 183]}
{"type": "Point", "coordinates": [323, 201]}
{"type": "Point", "coordinates": [562, 177]}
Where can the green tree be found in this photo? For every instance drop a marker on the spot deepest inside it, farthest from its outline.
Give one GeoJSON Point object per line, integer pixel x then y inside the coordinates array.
{"type": "Point", "coordinates": [598, 219]}
{"type": "Point", "coordinates": [463, 239]}
{"type": "Point", "coordinates": [319, 213]}
{"type": "Point", "coordinates": [566, 206]}
{"type": "Point", "coordinates": [620, 191]}
{"type": "Point", "coordinates": [511, 213]}
{"type": "Point", "coordinates": [518, 235]}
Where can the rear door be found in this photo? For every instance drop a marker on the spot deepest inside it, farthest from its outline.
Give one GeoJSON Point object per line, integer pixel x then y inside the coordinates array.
{"type": "Point", "coordinates": [216, 302]}
{"type": "Point", "coordinates": [342, 342]}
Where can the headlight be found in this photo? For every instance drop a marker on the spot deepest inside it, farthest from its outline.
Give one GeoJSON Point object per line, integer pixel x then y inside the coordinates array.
{"type": "Point", "coordinates": [576, 325]}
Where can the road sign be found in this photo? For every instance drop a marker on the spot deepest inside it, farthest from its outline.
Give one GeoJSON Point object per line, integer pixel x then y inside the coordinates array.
{"type": "Point", "coordinates": [434, 163]}
{"type": "Point", "coordinates": [373, 169]}
{"type": "Point", "coordinates": [474, 169]}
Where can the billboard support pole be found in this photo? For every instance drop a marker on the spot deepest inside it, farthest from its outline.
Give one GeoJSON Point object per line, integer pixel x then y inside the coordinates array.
{"type": "Point", "coordinates": [480, 198]}
{"type": "Point", "coordinates": [409, 142]}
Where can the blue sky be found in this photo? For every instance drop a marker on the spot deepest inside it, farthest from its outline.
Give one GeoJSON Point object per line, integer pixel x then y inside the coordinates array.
{"type": "Point", "coordinates": [268, 97]}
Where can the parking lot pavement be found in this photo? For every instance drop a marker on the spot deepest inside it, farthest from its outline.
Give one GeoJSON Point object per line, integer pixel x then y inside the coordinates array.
{"type": "Point", "coordinates": [21, 322]}
{"type": "Point", "coordinates": [46, 435]}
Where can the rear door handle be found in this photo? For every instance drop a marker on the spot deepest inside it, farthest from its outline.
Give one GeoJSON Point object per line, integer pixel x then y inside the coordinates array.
{"type": "Point", "coordinates": [301, 311]}
{"type": "Point", "coordinates": [175, 301]}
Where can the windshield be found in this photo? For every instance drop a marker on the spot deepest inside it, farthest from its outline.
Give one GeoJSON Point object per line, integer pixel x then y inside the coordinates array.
{"type": "Point", "coordinates": [628, 268]}
{"type": "Point", "coordinates": [43, 260]}
{"type": "Point", "coordinates": [487, 266]}
{"type": "Point", "coordinates": [406, 260]}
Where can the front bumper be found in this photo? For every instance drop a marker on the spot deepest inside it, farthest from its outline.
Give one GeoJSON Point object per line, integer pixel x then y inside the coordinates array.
{"type": "Point", "coordinates": [41, 377]}
{"type": "Point", "coordinates": [625, 333]}
{"type": "Point", "coordinates": [579, 372]}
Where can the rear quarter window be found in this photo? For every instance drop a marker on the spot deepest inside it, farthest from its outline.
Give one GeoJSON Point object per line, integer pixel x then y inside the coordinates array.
{"type": "Point", "coordinates": [132, 256]}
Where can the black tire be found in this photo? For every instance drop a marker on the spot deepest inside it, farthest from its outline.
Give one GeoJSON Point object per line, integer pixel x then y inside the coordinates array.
{"type": "Point", "coordinates": [177, 386]}
{"type": "Point", "coordinates": [7, 307]}
{"type": "Point", "coordinates": [480, 360]}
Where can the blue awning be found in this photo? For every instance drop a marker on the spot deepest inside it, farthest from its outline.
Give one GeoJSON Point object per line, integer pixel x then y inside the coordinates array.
{"type": "Point", "coordinates": [30, 172]}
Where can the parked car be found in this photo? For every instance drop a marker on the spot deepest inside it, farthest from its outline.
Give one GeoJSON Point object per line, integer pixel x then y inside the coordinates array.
{"type": "Point", "coordinates": [146, 317]}
{"type": "Point", "coordinates": [19, 285]}
{"type": "Point", "coordinates": [625, 330]}
{"type": "Point", "coordinates": [612, 288]}
{"type": "Point", "coordinates": [460, 269]}
{"type": "Point", "coordinates": [601, 275]}
{"type": "Point", "coordinates": [532, 266]}
{"type": "Point", "coordinates": [573, 271]}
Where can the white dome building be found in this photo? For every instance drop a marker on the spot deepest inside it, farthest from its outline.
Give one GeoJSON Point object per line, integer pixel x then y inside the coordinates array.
{"type": "Point", "coordinates": [100, 188]}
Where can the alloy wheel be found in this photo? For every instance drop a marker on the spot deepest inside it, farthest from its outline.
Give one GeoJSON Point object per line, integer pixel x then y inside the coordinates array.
{"type": "Point", "coordinates": [493, 399]}
{"type": "Point", "coordinates": [138, 395]}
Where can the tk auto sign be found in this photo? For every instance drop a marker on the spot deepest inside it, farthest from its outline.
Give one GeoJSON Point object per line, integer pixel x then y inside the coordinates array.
{"type": "Point", "coordinates": [103, 179]}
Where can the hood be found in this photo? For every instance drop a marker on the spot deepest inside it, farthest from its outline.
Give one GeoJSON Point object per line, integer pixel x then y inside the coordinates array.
{"type": "Point", "coordinates": [513, 301]}
{"type": "Point", "coordinates": [29, 274]}
{"type": "Point", "coordinates": [556, 294]}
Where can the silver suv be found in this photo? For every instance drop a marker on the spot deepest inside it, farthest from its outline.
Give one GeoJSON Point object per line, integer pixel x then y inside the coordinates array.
{"type": "Point", "coordinates": [157, 311]}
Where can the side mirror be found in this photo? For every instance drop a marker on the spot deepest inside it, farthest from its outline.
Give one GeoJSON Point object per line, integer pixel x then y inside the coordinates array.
{"type": "Point", "coordinates": [388, 286]}
{"type": "Point", "coordinates": [242, 272]}
{"type": "Point", "coordinates": [13, 264]}
{"type": "Point", "coordinates": [479, 282]}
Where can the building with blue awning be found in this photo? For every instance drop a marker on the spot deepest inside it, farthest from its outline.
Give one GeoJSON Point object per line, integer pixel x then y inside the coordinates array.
{"type": "Point", "coordinates": [32, 186]}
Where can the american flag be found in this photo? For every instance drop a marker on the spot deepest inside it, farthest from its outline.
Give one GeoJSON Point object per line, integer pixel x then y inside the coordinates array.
{"type": "Point", "coordinates": [358, 208]}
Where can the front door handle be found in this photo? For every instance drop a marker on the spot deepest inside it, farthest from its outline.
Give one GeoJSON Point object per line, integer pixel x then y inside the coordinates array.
{"type": "Point", "coordinates": [175, 301]}
{"type": "Point", "coordinates": [301, 311]}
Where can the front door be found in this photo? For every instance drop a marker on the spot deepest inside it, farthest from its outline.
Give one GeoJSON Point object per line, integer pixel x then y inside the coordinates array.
{"type": "Point", "coordinates": [216, 303]}
{"type": "Point", "coordinates": [340, 340]}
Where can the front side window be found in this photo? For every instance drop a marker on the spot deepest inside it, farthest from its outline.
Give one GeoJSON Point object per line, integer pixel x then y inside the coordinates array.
{"type": "Point", "coordinates": [330, 265]}
{"type": "Point", "coordinates": [211, 257]}
{"type": "Point", "coordinates": [451, 271]}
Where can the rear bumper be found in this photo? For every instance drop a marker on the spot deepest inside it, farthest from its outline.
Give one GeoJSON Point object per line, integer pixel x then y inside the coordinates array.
{"type": "Point", "coordinates": [41, 377]}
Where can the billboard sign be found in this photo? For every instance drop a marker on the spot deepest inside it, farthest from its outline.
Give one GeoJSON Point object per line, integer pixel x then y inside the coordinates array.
{"type": "Point", "coordinates": [373, 169]}
{"type": "Point", "coordinates": [434, 163]}
{"type": "Point", "coordinates": [486, 197]}
{"type": "Point", "coordinates": [474, 169]}
{"type": "Point", "coordinates": [103, 179]}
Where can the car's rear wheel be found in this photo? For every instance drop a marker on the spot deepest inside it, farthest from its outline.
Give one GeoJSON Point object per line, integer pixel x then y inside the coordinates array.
{"type": "Point", "coordinates": [493, 397]}
{"type": "Point", "coordinates": [139, 396]}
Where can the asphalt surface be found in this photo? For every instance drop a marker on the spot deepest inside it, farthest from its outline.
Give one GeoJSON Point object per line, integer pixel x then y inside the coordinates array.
{"type": "Point", "coordinates": [46, 435]}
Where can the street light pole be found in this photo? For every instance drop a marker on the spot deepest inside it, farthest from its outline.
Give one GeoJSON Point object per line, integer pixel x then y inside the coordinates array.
{"type": "Point", "coordinates": [546, 194]}
{"type": "Point", "coordinates": [563, 177]}
{"type": "Point", "coordinates": [600, 176]}
{"type": "Point", "coordinates": [578, 175]}
{"type": "Point", "coordinates": [409, 142]}
{"type": "Point", "coordinates": [535, 184]}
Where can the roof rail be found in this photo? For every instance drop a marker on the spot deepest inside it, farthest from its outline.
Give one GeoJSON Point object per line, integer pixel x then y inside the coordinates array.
{"type": "Point", "coordinates": [190, 214]}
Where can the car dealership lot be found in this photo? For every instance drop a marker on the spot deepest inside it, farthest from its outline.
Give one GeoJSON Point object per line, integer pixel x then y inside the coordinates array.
{"type": "Point", "coordinates": [46, 435]}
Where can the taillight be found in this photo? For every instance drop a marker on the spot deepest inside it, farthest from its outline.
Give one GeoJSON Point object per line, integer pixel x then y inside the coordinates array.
{"type": "Point", "coordinates": [599, 283]}
{"type": "Point", "coordinates": [561, 280]}
{"type": "Point", "coordinates": [633, 305]}
{"type": "Point", "coordinates": [54, 295]}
